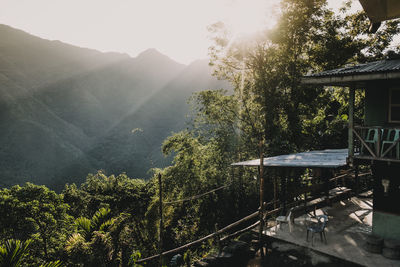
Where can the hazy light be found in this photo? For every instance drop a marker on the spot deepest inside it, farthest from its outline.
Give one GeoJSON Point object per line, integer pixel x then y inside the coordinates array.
{"type": "Point", "coordinates": [177, 28]}
{"type": "Point", "coordinates": [246, 17]}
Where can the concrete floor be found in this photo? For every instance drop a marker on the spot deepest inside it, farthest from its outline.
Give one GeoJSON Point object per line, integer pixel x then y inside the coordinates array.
{"type": "Point", "coordinates": [349, 223]}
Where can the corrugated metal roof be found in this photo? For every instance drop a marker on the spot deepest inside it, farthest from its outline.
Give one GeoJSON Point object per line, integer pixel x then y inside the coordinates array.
{"type": "Point", "coordinates": [329, 158]}
{"type": "Point", "coordinates": [388, 65]}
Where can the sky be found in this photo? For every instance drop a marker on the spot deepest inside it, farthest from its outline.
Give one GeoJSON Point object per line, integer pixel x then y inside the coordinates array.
{"type": "Point", "coordinates": [176, 28]}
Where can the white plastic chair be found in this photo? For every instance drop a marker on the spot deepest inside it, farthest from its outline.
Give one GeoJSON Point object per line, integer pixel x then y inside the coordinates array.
{"type": "Point", "coordinates": [285, 219]}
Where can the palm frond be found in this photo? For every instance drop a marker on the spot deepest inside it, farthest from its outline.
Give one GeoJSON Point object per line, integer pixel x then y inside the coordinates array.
{"type": "Point", "coordinates": [107, 225]}
{"type": "Point", "coordinates": [76, 244]}
{"type": "Point", "coordinates": [101, 216]}
{"type": "Point", "coordinates": [12, 252]}
{"type": "Point", "coordinates": [52, 264]}
{"type": "Point", "coordinates": [84, 227]}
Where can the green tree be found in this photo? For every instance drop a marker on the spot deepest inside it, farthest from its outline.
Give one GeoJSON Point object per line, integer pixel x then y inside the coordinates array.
{"type": "Point", "coordinates": [268, 104]}
{"type": "Point", "coordinates": [36, 213]}
{"type": "Point", "coordinates": [266, 71]}
{"type": "Point", "coordinates": [96, 241]}
{"type": "Point", "coordinates": [120, 194]}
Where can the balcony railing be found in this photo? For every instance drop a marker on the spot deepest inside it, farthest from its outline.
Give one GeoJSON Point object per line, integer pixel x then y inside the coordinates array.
{"type": "Point", "coordinates": [377, 143]}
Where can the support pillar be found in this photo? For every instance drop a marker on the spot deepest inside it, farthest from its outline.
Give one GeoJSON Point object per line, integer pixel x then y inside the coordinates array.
{"type": "Point", "coordinates": [356, 180]}
{"type": "Point", "coordinates": [352, 90]}
{"type": "Point", "coordinates": [261, 212]}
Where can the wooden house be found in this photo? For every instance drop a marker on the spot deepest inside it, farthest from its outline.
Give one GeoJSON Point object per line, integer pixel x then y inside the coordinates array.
{"type": "Point", "coordinates": [380, 10]}
{"type": "Point", "coordinates": [376, 141]}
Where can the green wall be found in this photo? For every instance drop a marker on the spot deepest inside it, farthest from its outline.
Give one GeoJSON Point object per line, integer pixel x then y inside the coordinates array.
{"type": "Point", "coordinates": [376, 105]}
{"type": "Point", "coordinates": [386, 225]}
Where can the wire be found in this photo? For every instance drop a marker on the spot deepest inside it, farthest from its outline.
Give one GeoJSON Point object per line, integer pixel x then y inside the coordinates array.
{"type": "Point", "coordinates": [197, 196]}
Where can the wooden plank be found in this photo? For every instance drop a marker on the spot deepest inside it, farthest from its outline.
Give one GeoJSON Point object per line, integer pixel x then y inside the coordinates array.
{"type": "Point", "coordinates": [380, 159]}
{"type": "Point", "coordinates": [240, 231]}
{"type": "Point", "coordinates": [365, 144]}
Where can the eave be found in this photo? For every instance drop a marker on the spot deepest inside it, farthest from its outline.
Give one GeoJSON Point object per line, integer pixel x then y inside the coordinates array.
{"type": "Point", "coordinates": [347, 80]}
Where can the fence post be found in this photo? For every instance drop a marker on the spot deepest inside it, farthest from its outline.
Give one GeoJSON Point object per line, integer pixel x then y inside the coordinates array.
{"type": "Point", "coordinates": [217, 239]}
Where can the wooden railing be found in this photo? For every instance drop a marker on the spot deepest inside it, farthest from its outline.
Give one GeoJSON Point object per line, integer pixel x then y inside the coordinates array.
{"type": "Point", "coordinates": [376, 143]}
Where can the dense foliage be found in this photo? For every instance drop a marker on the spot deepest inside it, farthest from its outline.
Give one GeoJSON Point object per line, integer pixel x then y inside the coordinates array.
{"type": "Point", "coordinates": [112, 220]}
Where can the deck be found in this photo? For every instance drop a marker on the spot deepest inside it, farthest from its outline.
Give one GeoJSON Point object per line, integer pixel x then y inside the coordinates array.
{"type": "Point", "coordinates": [349, 223]}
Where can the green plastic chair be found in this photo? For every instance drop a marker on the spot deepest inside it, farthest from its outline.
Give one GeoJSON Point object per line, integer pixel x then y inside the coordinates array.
{"type": "Point", "coordinates": [391, 137]}
{"type": "Point", "coordinates": [371, 138]}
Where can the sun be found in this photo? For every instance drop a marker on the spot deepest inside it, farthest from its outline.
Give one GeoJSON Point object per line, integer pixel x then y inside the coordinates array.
{"type": "Point", "coordinates": [246, 17]}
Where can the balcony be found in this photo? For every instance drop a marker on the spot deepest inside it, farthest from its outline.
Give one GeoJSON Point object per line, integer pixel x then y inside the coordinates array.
{"type": "Point", "coordinates": [376, 143]}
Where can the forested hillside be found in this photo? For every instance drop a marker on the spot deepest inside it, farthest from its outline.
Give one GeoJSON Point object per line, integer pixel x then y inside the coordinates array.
{"type": "Point", "coordinates": [67, 111]}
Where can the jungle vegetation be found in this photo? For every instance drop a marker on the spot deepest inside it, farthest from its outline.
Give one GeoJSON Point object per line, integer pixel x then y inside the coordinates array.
{"type": "Point", "coordinates": [111, 220]}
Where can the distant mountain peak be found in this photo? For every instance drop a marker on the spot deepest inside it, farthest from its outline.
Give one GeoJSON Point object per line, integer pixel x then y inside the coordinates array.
{"type": "Point", "coordinates": [154, 55]}
{"type": "Point", "coordinates": [150, 52]}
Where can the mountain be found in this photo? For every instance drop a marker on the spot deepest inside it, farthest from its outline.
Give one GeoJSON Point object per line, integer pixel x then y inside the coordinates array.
{"type": "Point", "coordinates": [66, 111]}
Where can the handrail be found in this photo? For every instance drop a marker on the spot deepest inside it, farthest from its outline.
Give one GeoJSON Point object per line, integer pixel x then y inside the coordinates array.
{"type": "Point", "coordinates": [364, 143]}
{"type": "Point", "coordinates": [377, 152]}
{"type": "Point", "coordinates": [188, 245]}
{"type": "Point", "coordinates": [226, 228]}
{"type": "Point", "coordinates": [375, 127]}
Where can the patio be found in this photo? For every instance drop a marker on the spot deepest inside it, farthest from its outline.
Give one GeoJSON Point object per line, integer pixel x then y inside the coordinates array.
{"type": "Point", "coordinates": [349, 222]}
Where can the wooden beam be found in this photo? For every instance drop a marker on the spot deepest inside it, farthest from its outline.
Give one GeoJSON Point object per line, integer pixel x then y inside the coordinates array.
{"type": "Point", "coordinates": [378, 144]}
{"type": "Point", "coordinates": [351, 121]}
{"type": "Point", "coordinates": [261, 196]}
{"type": "Point", "coordinates": [357, 180]}
{"type": "Point", "coordinates": [374, 158]}
{"type": "Point", "coordinates": [188, 245]}
{"type": "Point", "coordinates": [349, 79]}
{"type": "Point", "coordinates": [365, 144]}
{"type": "Point", "coordinates": [390, 147]}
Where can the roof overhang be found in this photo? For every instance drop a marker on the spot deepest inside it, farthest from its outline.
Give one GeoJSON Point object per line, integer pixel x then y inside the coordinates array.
{"type": "Point", "coordinates": [348, 80]}
{"type": "Point", "coordinates": [380, 10]}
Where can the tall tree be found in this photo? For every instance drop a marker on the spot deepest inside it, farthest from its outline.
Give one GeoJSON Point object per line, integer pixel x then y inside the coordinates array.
{"type": "Point", "coordinates": [266, 70]}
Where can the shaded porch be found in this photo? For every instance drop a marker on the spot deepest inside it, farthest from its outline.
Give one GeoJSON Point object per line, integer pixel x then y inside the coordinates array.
{"type": "Point", "coordinates": [331, 189]}
{"type": "Point", "coordinates": [350, 221]}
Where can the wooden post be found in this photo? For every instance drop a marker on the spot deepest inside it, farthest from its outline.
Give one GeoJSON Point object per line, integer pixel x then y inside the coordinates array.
{"type": "Point", "coordinates": [284, 178]}
{"type": "Point", "coordinates": [275, 188]}
{"type": "Point", "coordinates": [218, 239]}
{"type": "Point", "coordinates": [378, 144]}
{"type": "Point", "coordinates": [160, 236]}
{"type": "Point", "coordinates": [351, 122]}
{"type": "Point", "coordinates": [357, 180]}
{"type": "Point", "coordinates": [327, 176]}
{"type": "Point", "coordinates": [261, 212]}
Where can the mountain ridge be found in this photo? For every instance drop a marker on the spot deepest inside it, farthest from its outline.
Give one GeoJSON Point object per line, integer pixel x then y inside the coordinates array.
{"type": "Point", "coordinates": [67, 111]}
